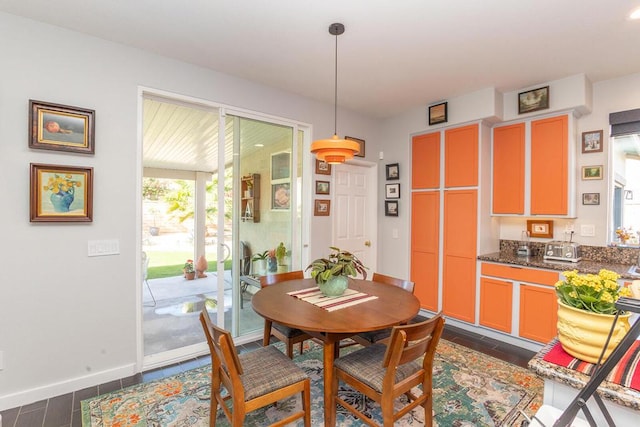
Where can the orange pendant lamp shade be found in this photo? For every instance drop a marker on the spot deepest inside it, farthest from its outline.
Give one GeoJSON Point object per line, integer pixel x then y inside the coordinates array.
{"type": "Point", "coordinates": [335, 149]}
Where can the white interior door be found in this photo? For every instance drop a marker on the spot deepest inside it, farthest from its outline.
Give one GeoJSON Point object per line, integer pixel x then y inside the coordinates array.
{"type": "Point", "coordinates": [354, 218]}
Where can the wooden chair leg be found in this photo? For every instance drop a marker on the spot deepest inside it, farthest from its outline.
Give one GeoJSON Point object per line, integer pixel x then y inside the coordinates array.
{"type": "Point", "coordinates": [290, 349]}
{"type": "Point", "coordinates": [266, 338]}
{"type": "Point", "coordinates": [306, 403]}
{"type": "Point", "coordinates": [386, 404]}
{"type": "Point", "coordinates": [300, 348]}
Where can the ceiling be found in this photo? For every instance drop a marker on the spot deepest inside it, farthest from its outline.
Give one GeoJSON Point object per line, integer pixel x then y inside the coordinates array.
{"type": "Point", "coordinates": [394, 55]}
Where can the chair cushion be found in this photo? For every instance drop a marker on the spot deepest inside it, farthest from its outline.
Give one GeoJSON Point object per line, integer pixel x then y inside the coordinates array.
{"type": "Point", "coordinates": [366, 366]}
{"type": "Point", "coordinates": [267, 369]}
{"type": "Point", "coordinates": [287, 331]}
{"type": "Point", "coordinates": [375, 336]}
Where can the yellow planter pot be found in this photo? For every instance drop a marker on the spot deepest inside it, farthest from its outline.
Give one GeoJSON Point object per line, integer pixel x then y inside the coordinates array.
{"type": "Point", "coordinates": [583, 333]}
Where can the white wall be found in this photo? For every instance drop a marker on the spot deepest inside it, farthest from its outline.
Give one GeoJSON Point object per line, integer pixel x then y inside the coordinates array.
{"type": "Point", "coordinates": [594, 102]}
{"type": "Point", "coordinates": [68, 321]}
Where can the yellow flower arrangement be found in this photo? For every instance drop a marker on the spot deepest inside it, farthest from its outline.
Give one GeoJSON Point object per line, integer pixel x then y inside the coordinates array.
{"type": "Point", "coordinates": [59, 183]}
{"type": "Point", "coordinates": [596, 293]}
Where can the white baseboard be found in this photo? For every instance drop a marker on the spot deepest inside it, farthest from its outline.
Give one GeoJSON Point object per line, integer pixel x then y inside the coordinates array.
{"type": "Point", "coordinates": [48, 391]}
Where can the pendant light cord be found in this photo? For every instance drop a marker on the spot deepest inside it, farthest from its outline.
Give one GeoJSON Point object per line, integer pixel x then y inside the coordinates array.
{"type": "Point", "coordinates": [335, 104]}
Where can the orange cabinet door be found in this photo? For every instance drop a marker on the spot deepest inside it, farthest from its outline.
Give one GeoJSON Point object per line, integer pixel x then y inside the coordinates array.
{"type": "Point", "coordinates": [508, 169]}
{"type": "Point", "coordinates": [425, 161]}
{"type": "Point", "coordinates": [496, 302]}
{"type": "Point", "coordinates": [549, 166]}
{"type": "Point", "coordinates": [461, 157]}
{"type": "Point", "coordinates": [425, 223]}
{"type": "Point", "coordinates": [459, 254]}
{"type": "Point", "coordinates": [538, 313]}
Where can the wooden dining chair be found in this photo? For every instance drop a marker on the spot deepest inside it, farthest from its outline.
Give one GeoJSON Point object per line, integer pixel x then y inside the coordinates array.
{"type": "Point", "coordinates": [289, 336]}
{"type": "Point", "coordinates": [384, 373]}
{"type": "Point", "coordinates": [372, 337]}
{"type": "Point", "coordinates": [253, 379]}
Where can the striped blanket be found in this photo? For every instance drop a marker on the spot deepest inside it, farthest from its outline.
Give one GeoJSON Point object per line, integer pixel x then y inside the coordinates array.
{"type": "Point", "coordinates": [625, 373]}
{"type": "Point", "coordinates": [349, 298]}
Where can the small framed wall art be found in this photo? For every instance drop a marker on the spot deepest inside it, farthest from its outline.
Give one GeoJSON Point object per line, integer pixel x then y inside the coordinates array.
{"type": "Point", "coordinates": [322, 167]}
{"type": "Point", "coordinates": [322, 187]}
{"type": "Point", "coordinates": [591, 172]}
{"type": "Point", "coordinates": [392, 191]}
{"type": "Point", "coordinates": [322, 208]}
{"type": "Point", "coordinates": [393, 171]}
{"type": "Point", "coordinates": [533, 100]}
{"type": "Point", "coordinates": [540, 228]}
{"type": "Point", "coordinates": [280, 196]}
{"type": "Point", "coordinates": [61, 193]}
{"type": "Point", "coordinates": [61, 128]}
{"type": "Point", "coordinates": [590, 198]}
{"type": "Point", "coordinates": [592, 141]}
{"type": "Point", "coordinates": [360, 142]}
{"type": "Point", "coordinates": [438, 114]}
{"type": "Point", "coordinates": [391, 207]}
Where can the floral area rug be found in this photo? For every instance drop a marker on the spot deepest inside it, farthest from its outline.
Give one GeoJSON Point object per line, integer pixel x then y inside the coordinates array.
{"type": "Point", "coordinates": [470, 389]}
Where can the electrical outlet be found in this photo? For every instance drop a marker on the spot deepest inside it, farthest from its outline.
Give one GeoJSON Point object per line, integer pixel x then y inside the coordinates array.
{"type": "Point", "coordinates": [569, 228]}
{"type": "Point", "coordinates": [588, 230]}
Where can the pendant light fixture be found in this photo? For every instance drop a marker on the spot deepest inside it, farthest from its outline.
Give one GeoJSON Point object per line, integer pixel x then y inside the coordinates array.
{"type": "Point", "coordinates": [335, 149]}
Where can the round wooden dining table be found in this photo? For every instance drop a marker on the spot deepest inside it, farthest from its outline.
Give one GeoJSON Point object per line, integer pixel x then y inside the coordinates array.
{"type": "Point", "coordinates": [392, 307]}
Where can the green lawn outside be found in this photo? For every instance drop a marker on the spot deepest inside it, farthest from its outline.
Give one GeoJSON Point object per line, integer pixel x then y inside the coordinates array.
{"type": "Point", "coordinates": [169, 264]}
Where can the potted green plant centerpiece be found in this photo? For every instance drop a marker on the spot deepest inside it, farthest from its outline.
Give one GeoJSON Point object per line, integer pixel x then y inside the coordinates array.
{"type": "Point", "coordinates": [332, 273]}
{"type": "Point", "coordinates": [260, 262]}
{"type": "Point", "coordinates": [586, 310]}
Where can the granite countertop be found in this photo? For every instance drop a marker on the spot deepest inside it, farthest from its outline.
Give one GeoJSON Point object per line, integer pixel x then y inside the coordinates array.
{"type": "Point", "coordinates": [616, 393]}
{"type": "Point", "coordinates": [584, 266]}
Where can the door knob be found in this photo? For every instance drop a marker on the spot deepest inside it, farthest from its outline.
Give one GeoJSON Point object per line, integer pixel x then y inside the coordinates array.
{"type": "Point", "coordinates": [367, 243]}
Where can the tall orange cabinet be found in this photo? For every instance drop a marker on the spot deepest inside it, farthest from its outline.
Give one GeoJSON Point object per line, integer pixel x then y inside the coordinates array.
{"type": "Point", "coordinates": [445, 217]}
{"type": "Point", "coordinates": [532, 160]}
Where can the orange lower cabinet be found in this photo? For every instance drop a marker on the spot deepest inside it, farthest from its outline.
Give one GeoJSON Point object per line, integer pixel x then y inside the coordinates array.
{"type": "Point", "coordinates": [424, 273]}
{"type": "Point", "coordinates": [496, 302]}
{"type": "Point", "coordinates": [538, 313]}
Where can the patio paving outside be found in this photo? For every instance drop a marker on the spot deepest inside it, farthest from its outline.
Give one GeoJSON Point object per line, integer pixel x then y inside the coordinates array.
{"type": "Point", "coordinates": [173, 322]}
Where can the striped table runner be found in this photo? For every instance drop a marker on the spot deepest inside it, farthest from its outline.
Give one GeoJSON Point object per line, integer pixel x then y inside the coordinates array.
{"type": "Point", "coordinates": [625, 373]}
{"type": "Point", "coordinates": [347, 299]}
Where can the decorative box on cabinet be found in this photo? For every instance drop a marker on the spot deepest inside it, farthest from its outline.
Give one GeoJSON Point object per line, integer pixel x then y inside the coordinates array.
{"type": "Point", "coordinates": [250, 196]}
{"type": "Point", "coordinates": [532, 161]}
{"type": "Point", "coordinates": [536, 309]}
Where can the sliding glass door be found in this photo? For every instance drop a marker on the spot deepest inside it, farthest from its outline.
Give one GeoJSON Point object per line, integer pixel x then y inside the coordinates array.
{"type": "Point", "coordinates": [215, 200]}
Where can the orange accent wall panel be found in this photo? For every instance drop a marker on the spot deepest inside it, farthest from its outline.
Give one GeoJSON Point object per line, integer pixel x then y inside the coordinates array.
{"type": "Point", "coordinates": [508, 169]}
{"type": "Point", "coordinates": [538, 313]}
{"type": "Point", "coordinates": [549, 166]}
{"type": "Point", "coordinates": [459, 252]}
{"type": "Point", "coordinates": [425, 161]}
{"type": "Point", "coordinates": [424, 273]}
{"type": "Point", "coordinates": [496, 302]}
{"type": "Point", "coordinates": [519, 274]}
{"type": "Point", "coordinates": [425, 223]}
{"type": "Point", "coordinates": [461, 156]}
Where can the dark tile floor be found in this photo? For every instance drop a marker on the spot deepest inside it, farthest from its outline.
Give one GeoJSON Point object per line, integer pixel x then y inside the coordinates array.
{"type": "Point", "coordinates": [64, 411]}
